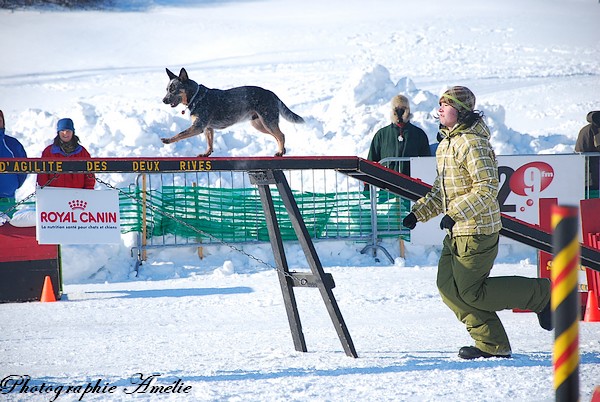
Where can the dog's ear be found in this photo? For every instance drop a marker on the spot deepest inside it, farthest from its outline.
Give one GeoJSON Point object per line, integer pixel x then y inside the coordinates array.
{"type": "Point", "coordinates": [183, 76]}
{"type": "Point", "coordinates": [170, 74]}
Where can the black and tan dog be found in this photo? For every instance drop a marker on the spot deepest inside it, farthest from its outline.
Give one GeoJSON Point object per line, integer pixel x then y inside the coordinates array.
{"type": "Point", "coordinates": [218, 109]}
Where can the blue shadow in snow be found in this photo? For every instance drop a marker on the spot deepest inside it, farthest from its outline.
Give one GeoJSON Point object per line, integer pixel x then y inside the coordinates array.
{"type": "Point", "coordinates": [151, 293]}
{"type": "Point", "coordinates": [403, 362]}
{"type": "Point", "coordinates": [412, 364]}
{"type": "Point", "coordinates": [409, 363]}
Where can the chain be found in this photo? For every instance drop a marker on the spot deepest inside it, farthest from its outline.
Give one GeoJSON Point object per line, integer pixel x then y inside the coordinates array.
{"type": "Point", "coordinates": [13, 207]}
{"type": "Point", "coordinates": [24, 200]}
{"type": "Point", "coordinates": [163, 213]}
{"type": "Point", "coordinates": [194, 229]}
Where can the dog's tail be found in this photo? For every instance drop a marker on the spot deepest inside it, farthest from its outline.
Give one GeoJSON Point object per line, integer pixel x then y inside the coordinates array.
{"type": "Point", "coordinates": [288, 114]}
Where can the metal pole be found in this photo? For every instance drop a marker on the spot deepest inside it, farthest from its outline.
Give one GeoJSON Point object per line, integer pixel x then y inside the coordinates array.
{"type": "Point", "coordinates": [144, 220]}
{"type": "Point", "coordinates": [373, 198]}
{"type": "Point", "coordinates": [565, 302]}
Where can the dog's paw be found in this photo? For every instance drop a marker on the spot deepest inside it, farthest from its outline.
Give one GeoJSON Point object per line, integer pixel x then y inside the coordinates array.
{"type": "Point", "coordinates": [204, 155]}
{"type": "Point", "coordinates": [166, 140]}
{"type": "Point", "coordinates": [280, 153]}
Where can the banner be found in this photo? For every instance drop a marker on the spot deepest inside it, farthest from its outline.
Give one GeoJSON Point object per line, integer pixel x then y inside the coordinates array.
{"type": "Point", "coordinates": [77, 216]}
{"type": "Point", "coordinates": [524, 180]}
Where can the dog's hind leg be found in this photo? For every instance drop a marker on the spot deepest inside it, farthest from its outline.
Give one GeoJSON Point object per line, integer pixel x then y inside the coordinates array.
{"type": "Point", "coordinates": [209, 133]}
{"type": "Point", "coordinates": [280, 138]}
{"type": "Point", "coordinates": [274, 130]}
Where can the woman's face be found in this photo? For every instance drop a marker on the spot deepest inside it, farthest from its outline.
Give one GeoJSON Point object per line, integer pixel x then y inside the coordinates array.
{"type": "Point", "coordinates": [448, 115]}
{"type": "Point", "coordinates": [65, 135]}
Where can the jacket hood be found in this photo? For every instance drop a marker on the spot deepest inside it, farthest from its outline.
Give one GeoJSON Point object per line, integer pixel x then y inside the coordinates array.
{"type": "Point", "coordinates": [478, 128]}
{"type": "Point", "coordinates": [400, 102]}
{"type": "Point", "coordinates": [594, 118]}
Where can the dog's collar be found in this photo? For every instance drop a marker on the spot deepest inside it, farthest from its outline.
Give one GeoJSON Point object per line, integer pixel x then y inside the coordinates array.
{"type": "Point", "coordinates": [190, 107]}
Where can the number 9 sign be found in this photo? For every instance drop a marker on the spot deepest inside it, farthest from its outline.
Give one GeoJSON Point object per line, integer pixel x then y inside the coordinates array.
{"type": "Point", "coordinates": [531, 179]}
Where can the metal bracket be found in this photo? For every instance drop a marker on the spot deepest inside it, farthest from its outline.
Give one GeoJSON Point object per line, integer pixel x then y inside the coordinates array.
{"type": "Point", "coordinates": [301, 280]}
{"type": "Point", "coordinates": [261, 177]}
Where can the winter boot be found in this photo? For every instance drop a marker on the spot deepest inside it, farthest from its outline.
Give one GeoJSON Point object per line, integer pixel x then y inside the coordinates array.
{"type": "Point", "coordinates": [471, 352]}
{"type": "Point", "coordinates": [545, 318]}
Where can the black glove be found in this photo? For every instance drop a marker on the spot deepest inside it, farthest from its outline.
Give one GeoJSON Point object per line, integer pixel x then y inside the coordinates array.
{"type": "Point", "coordinates": [447, 222]}
{"type": "Point", "coordinates": [410, 221]}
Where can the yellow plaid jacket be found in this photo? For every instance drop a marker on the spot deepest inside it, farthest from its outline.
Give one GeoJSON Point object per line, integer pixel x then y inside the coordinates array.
{"type": "Point", "coordinates": [466, 186]}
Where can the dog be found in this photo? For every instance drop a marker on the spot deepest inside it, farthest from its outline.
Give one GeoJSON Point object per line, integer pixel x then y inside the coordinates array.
{"type": "Point", "coordinates": [218, 109]}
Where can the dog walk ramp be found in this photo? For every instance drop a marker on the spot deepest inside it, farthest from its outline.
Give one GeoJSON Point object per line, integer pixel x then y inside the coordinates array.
{"type": "Point", "coordinates": [266, 171]}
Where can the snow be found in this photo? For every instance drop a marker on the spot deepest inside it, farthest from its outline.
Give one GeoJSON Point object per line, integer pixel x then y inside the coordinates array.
{"type": "Point", "coordinates": [218, 325]}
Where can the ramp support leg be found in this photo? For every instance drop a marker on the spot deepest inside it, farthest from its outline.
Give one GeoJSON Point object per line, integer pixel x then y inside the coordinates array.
{"type": "Point", "coordinates": [318, 278]}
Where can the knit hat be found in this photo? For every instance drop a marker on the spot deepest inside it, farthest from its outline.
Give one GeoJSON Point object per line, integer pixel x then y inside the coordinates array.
{"type": "Point", "coordinates": [592, 117]}
{"type": "Point", "coordinates": [65, 124]}
{"type": "Point", "coordinates": [400, 102]}
{"type": "Point", "coordinates": [460, 98]}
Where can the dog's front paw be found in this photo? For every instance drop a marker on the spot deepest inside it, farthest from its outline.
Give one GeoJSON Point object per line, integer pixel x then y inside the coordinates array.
{"type": "Point", "coordinates": [280, 153]}
{"type": "Point", "coordinates": [166, 140]}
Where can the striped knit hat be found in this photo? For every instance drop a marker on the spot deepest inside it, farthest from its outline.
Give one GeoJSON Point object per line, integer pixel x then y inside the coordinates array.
{"type": "Point", "coordinates": [460, 98]}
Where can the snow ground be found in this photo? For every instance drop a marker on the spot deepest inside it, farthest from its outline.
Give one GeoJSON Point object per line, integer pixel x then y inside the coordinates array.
{"type": "Point", "coordinates": [218, 325]}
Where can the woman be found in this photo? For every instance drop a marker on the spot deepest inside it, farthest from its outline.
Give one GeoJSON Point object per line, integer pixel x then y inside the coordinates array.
{"type": "Point", "coordinates": [66, 145]}
{"type": "Point", "coordinates": [465, 191]}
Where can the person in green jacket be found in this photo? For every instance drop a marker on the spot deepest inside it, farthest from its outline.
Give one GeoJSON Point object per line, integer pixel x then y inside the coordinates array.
{"type": "Point", "coordinates": [465, 191]}
{"type": "Point", "coordinates": [401, 138]}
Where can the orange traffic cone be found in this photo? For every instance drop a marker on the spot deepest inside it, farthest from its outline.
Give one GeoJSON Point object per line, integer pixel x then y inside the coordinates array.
{"type": "Point", "coordinates": [592, 312]}
{"type": "Point", "coordinates": [47, 291]}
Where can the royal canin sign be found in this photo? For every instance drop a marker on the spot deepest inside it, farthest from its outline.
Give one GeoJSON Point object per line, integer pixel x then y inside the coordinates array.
{"type": "Point", "coordinates": [77, 214]}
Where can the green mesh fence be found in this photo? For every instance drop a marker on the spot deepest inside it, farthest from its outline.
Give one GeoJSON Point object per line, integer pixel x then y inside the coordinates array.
{"type": "Point", "coordinates": [6, 207]}
{"type": "Point", "coordinates": [227, 214]}
{"type": "Point", "coordinates": [236, 215]}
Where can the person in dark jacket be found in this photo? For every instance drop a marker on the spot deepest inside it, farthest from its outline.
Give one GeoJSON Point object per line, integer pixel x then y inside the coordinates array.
{"type": "Point", "coordinates": [401, 138]}
{"type": "Point", "coordinates": [66, 145]}
{"type": "Point", "coordinates": [10, 147]}
{"type": "Point", "coordinates": [589, 141]}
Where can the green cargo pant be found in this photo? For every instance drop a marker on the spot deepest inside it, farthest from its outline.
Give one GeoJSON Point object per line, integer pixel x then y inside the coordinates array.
{"type": "Point", "coordinates": [465, 286]}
